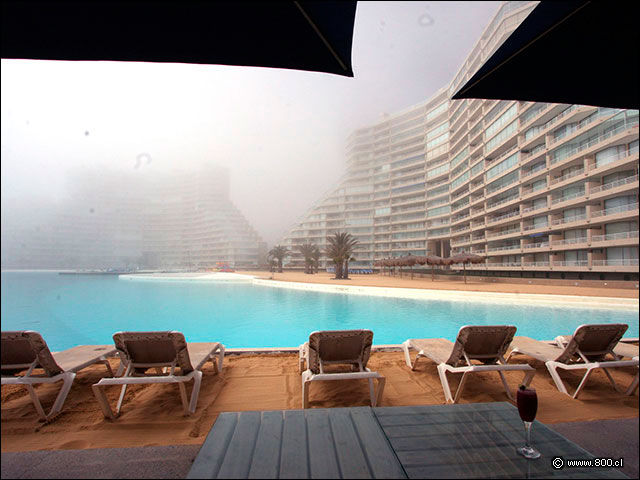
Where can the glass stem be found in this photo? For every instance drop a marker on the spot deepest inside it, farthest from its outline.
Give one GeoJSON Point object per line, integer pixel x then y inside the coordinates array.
{"type": "Point", "coordinates": [527, 429]}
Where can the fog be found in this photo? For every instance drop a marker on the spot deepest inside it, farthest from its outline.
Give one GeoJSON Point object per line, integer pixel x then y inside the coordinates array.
{"type": "Point", "coordinates": [281, 133]}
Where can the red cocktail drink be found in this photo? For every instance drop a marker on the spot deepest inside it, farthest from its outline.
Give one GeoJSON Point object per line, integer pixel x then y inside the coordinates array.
{"type": "Point", "coordinates": [527, 404]}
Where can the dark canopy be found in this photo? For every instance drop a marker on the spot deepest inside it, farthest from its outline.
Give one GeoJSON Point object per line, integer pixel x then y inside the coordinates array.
{"type": "Point", "coordinates": [315, 36]}
{"type": "Point", "coordinates": [572, 52]}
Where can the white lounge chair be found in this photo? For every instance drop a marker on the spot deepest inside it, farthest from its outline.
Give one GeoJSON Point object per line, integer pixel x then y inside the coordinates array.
{"type": "Point", "coordinates": [587, 349]}
{"type": "Point", "coordinates": [480, 343]}
{"type": "Point", "coordinates": [346, 347]}
{"type": "Point", "coordinates": [27, 350]}
{"type": "Point", "coordinates": [164, 352]}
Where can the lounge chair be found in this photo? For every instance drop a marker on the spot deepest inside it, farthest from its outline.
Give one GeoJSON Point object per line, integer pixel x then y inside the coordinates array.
{"type": "Point", "coordinates": [586, 350]}
{"type": "Point", "coordinates": [164, 352]}
{"type": "Point", "coordinates": [27, 350]}
{"type": "Point", "coordinates": [484, 343]}
{"type": "Point", "coordinates": [338, 347]}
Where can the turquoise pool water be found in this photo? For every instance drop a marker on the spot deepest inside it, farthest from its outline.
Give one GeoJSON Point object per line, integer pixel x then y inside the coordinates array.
{"type": "Point", "coordinates": [72, 310]}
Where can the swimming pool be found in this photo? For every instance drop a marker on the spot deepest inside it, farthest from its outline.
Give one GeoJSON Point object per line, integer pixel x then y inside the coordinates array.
{"type": "Point", "coordinates": [72, 310]}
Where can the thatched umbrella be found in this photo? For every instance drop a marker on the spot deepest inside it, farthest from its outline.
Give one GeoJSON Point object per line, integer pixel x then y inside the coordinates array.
{"type": "Point", "coordinates": [465, 258]}
{"type": "Point", "coordinates": [433, 260]}
{"type": "Point", "coordinates": [410, 261]}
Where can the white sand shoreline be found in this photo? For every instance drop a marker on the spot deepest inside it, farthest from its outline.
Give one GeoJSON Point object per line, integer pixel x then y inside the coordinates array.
{"type": "Point", "coordinates": [558, 301]}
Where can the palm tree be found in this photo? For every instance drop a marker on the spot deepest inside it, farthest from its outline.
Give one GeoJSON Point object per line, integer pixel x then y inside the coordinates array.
{"type": "Point", "coordinates": [315, 255]}
{"type": "Point", "coordinates": [340, 250]}
{"type": "Point", "coordinates": [307, 249]}
{"type": "Point", "coordinates": [279, 252]}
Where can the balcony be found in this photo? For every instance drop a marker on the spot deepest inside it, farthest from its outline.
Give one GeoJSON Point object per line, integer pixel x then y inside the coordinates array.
{"type": "Point", "coordinates": [509, 199]}
{"type": "Point", "coordinates": [533, 209]}
{"type": "Point", "coordinates": [566, 177]}
{"type": "Point", "coordinates": [630, 262]}
{"type": "Point", "coordinates": [535, 264]}
{"type": "Point", "coordinates": [504, 232]}
{"type": "Point", "coordinates": [568, 198]}
{"type": "Point", "coordinates": [528, 228]}
{"type": "Point", "coordinates": [615, 210]}
{"type": "Point", "coordinates": [503, 217]}
{"type": "Point", "coordinates": [618, 183]}
{"type": "Point", "coordinates": [575, 218]}
{"type": "Point", "coordinates": [537, 245]}
{"type": "Point", "coordinates": [533, 171]}
{"type": "Point", "coordinates": [569, 241]}
{"type": "Point", "coordinates": [617, 237]}
{"type": "Point", "coordinates": [501, 249]}
{"type": "Point", "coordinates": [571, 263]}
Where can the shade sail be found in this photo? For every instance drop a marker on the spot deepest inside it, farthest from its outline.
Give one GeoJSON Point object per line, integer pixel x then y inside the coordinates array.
{"type": "Point", "coordinates": [313, 36]}
{"type": "Point", "coordinates": [572, 52]}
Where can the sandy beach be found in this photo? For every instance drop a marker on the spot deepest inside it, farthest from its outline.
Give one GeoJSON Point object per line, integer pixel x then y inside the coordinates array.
{"type": "Point", "coordinates": [474, 284]}
{"type": "Point", "coordinates": [152, 415]}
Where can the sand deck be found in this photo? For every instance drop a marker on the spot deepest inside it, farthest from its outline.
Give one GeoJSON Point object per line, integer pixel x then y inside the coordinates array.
{"type": "Point", "coordinates": [152, 415]}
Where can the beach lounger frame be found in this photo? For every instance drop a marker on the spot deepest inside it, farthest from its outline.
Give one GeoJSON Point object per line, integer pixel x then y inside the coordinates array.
{"type": "Point", "coordinates": [338, 347]}
{"type": "Point", "coordinates": [32, 352]}
{"type": "Point", "coordinates": [469, 346]}
{"type": "Point", "coordinates": [172, 351]}
{"type": "Point", "coordinates": [576, 355]}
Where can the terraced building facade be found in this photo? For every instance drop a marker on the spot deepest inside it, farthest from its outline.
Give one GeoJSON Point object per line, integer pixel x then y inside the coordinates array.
{"type": "Point", "coordinates": [542, 189]}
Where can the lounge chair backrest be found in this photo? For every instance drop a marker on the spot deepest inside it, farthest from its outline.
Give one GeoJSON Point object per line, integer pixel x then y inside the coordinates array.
{"type": "Point", "coordinates": [25, 347]}
{"type": "Point", "coordinates": [593, 341]}
{"type": "Point", "coordinates": [339, 346]}
{"type": "Point", "coordinates": [487, 343]}
{"type": "Point", "coordinates": [147, 348]}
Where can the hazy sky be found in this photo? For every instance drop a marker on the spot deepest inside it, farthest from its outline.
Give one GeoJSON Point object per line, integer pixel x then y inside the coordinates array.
{"type": "Point", "coordinates": [282, 133]}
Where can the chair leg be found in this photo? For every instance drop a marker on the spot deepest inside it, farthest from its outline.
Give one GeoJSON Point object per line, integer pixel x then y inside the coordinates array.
{"type": "Point", "coordinates": [103, 402]}
{"type": "Point", "coordinates": [197, 381]}
{"type": "Point", "coordinates": [220, 358]}
{"type": "Point", "coordinates": [305, 390]}
{"type": "Point", "coordinates": [121, 398]}
{"type": "Point", "coordinates": [445, 384]}
{"type": "Point", "coordinates": [36, 402]}
{"type": "Point", "coordinates": [634, 385]}
{"type": "Point", "coordinates": [582, 383]}
{"type": "Point", "coordinates": [381, 383]}
{"type": "Point", "coordinates": [407, 356]}
{"type": "Point", "coordinates": [552, 367]}
{"type": "Point", "coordinates": [460, 387]}
{"type": "Point", "coordinates": [68, 378]}
{"type": "Point", "coordinates": [372, 392]}
{"type": "Point", "coordinates": [505, 384]}
{"type": "Point", "coordinates": [528, 377]}
{"type": "Point", "coordinates": [613, 382]}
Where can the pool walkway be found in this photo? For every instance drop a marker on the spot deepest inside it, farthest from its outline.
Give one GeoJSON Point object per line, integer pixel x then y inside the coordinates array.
{"type": "Point", "coordinates": [603, 438]}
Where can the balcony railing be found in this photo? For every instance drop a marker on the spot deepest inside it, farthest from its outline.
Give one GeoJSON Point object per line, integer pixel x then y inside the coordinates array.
{"type": "Point", "coordinates": [499, 249]}
{"type": "Point", "coordinates": [537, 245]}
{"type": "Point", "coordinates": [504, 264]}
{"type": "Point", "coordinates": [532, 171]}
{"type": "Point", "coordinates": [617, 183]}
{"type": "Point", "coordinates": [571, 263]}
{"type": "Point", "coordinates": [503, 217]}
{"type": "Point", "coordinates": [615, 236]}
{"type": "Point", "coordinates": [535, 264]}
{"type": "Point", "coordinates": [504, 232]}
{"type": "Point", "coordinates": [595, 141]}
{"type": "Point", "coordinates": [627, 262]}
{"type": "Point", "coordinates": [528, 228]}
{"type": "Point", "coordinates": [569, 241]}
{"type": "Point", "coordinates": [533, 209]}
{"type": "Point", "coordinates": [502, 202]}
{"type": "Point", "coordinates": [458, 230]}
{"type": "Point", "coordinates": [617, 156]}
{"type": "Point", "coordinates": [613, 211]}
{"type": "Point", "coordinates": [574, 218]}
{"type": "Point", "coordinates": [568, 197]}
{"type": "Point", "coordinates": [567, 176]}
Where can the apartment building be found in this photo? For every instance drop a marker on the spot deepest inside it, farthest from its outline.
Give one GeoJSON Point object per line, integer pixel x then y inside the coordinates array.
{"type": "Point", "coordinates": [137, 219]}
{"type": "Point", "coordinates": [539, 189]}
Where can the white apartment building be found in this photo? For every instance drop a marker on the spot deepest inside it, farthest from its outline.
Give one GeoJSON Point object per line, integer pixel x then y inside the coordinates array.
{"type": "Point", "coordinates": [539, 189]}
{"type": "Point", "coordinates": [138, 219]}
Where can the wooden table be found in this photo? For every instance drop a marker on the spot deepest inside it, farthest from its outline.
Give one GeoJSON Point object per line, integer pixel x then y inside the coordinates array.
{"type": "Point", "coordinates": [434, 441]}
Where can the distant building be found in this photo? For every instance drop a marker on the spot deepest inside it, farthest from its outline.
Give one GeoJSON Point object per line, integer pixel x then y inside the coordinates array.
{"type": "Point", "coordinates": [136, 220]}
{"type": "Point", "coordinates": [538, 189]}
